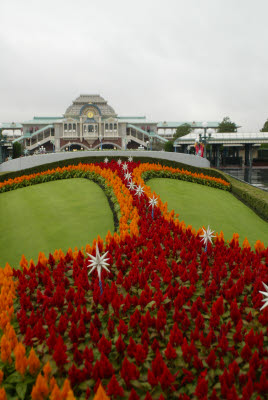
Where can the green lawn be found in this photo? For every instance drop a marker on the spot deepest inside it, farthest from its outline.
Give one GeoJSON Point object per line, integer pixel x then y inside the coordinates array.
{"type": "Point", "coordinates": [51, 216]}
{"type": "Point", "coordinates": [199, 205]}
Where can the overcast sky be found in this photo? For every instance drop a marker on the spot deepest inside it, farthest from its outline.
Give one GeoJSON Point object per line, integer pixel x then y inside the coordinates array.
{"type": "Point", "coordinates": [173, 60]}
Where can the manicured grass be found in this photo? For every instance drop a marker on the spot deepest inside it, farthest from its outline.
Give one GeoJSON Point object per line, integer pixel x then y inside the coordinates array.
{"type": "Point", "coordinates": [199, 205]}
{"type": "Point", "coordinates": [51, 216]}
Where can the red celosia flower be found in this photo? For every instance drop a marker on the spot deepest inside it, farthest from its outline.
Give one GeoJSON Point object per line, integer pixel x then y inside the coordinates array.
{"type": "Point", "coordinates": [120, 345]}
{"type": "Point", "coordinates": [59, 354]}
{"type": "Point", "coordinates": [129, 372]}
{"type": "Point", "coordinates": [201, 389]}
{"type": "Point", "coordinates": [170, 352]}
{"type": "Point", "coordinates": [104, 345]}
{"type": "Point", "coordinates": [122, 327]}
{"type": "Point", "coordinates": [114, 389]}
{"type": "Point", "coordinates": [133, 395]}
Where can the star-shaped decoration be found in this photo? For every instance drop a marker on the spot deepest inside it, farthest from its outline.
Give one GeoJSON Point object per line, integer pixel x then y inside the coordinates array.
{"type": "Point", "coordinates": [153, 201]}
{"type": "Point", "coordinates": [98, 262]}
{"type": "Point", "coordinates": [130, 159]}
{"type": "Point", "coordinates": [128, 176]}
{"type": "Point", "coordinates": [139, 191]}
{"type": "Point", "coordinates": [265, 300]}
{"type": "Point", "coordinates": [131, 185]}
{"type": "Point", "coordinates": [119, 162]}
{"type": "Point", "coordinates": [207, 236]}
{"type": "Point", "coordinates": [106, 160]}
{"type": "Point", "coordinates": [124, 166]}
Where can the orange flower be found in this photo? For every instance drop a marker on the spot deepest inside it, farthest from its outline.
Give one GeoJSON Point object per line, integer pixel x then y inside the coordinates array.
{"type": "Point", "coordinates": [55, 394]}
{"type": "Point", "coordinates": [3, 395]}
{"type": "Point", "coordinates": [23, 262]}
{"type": "Point", "coordinates": [33, 362]}
{"type": "Point", "coordinates": [65, 389]}
{"type": "Point", "coordinates": [40, 390]}
{"type": "Point", "coordinates": [47, 370]}
{"type": "Point", "coordinates": [20, 359]}
{"type": "Point", "coordinates": [101, 395]}
{"type": "Point", "coordinates": [259, 246]}
{"type": "Point", "coordinates": [5, 349]}
{"type": "Point", "coordinates": [246, 244]}
{"type": "Point", "coordinates": [1, 376]}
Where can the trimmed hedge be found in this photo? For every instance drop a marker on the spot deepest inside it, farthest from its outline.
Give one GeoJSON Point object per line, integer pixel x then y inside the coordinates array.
{"type": "Point", "coordinates": [97, 159]}
{"type": "Point", "coordinates": [254, 198]}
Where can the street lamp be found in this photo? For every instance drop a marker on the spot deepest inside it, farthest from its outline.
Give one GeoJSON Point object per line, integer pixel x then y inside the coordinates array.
{"type": "Point", "coordinates": [203, 137]}
{"type": "Point", "coordinates": [52, 141]}
{"type": "Point", "coordinates": [100, 139]}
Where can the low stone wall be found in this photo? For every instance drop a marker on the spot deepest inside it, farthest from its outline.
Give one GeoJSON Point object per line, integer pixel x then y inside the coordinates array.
{"type": "Point", "coordinates": [33, 161]}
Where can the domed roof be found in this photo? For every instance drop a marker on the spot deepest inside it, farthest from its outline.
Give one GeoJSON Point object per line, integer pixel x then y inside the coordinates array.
{"type": "Point", "coordinates": [74, 109]}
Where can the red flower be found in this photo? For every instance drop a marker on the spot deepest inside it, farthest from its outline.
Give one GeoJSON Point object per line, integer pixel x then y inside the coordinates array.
{"type": "Point", "coordinates": [170, 352]}
{"type": "Point", "coordinates": [104, 345]}
{"type": "Point", "coordinates": [120, 345]}
{"type": "Point", "coordinates": [201, 389]}
{"type": "Point", "coordinates": [166, 379]}
{"type": "Point", "coordinates": [129, 372]}
{"type": "Point", "coordinates": [133, 395]}
{"type": "Point", "coordinates": [59, 354]}
{"type": "Point", "coordinates": [114, 389]}
{"type": "Point", "coordinates": [246, 353]}
{"type": "Point", "coordinates": [122, 327]}
{"type": "Point", "coordinates": [151, 378]}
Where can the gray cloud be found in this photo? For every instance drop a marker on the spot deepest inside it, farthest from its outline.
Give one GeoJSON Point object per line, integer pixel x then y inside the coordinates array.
{"type": "Point", "coordinates": [172, 60]}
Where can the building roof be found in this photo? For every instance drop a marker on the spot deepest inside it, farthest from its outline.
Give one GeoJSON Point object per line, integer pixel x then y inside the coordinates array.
{"type": "Point", "coordinates": [194, 124]}
{"type": "Point", "coordinates": [95, 99]}
{"type": "Point", "coordinates": [43, 120]}
{"type": "Point", "coordinates": [232, 137]}
{"type": "Point", "coordinates": [10, 125]}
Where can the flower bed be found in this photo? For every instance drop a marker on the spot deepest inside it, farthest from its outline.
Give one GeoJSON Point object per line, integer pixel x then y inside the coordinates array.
{"type": "Point", "coordinates": [174, 321]}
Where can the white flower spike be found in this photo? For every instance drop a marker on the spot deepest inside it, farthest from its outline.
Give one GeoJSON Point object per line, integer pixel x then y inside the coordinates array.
{"type": "Point", "coordinates": [128, 176]}
{"type": "Point", "coordinates": [207, 236]}
{"type": "Point", "coordinates": [106, 160]}
{"type": "Point", "coordinates": [119, 162]}
{"type": "Point", "coordinates": [139, 191]}
{"type": "Point", "coordinates": [98, 262]}
{"type": "Point", "coordinates": [130, 159]}
{"type": "Point", "coordinates": [265, 300]}
{"type": "Point", "coordinates": [131, 185]}
{"type": "Point", "coordinates": [153, 201]}
{"type": "Point", "coordinates": [124, 166]}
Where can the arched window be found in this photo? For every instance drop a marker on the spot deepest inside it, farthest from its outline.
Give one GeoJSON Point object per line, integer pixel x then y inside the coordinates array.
{"type": "Point", "coordinates": [106, 127]}
{"type": "Point", "coordinates": [74, 127]}
{"type": "Point", "coordinates": [85, 128]}
{"type": "Point", "coordinates": [115, 127]}
{"type": "Point", "coordinates": [90, 128]}
{"type": "Point", "coordinates": [96, 128]}
{"type": "Point", "coordinates": [111, 127]}
{"type": "Point", "coordinates": [65, 127]}
{"type": "Point", "coordinates": [70, 127]}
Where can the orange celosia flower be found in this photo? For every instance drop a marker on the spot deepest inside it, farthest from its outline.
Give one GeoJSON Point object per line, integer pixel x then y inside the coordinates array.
{"type": "Point", "coordinates": [1, 376]}
{"type": "Point", "coordinates": [65, 389]}
{"type": "Point", "coordinates": [47, 370]}
{"type": "Point", "coordinates": [33, 362]}
{"type": "Point", "coordinates": [3, 395]}
{"type": "Point", "coordinates": [40, 390]}
{"type": "Point", "coordinates": [259, 246]}
{"type": "Point", "coordinates": [101, 395]}
{"type": "Point", "coordinates": [55, 393]}
{"type": "Point", "coordinates": [23, 262]}
{"type": "Point", "coordinates": [246, 244]}
{"type": "Point", "coordinates": [5, 349]}
{"type": "Point", "coordinates": [20, 359]}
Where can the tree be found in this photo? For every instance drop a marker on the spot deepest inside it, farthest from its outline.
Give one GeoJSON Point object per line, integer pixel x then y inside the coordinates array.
{"type": "Point", "coordinates": [169, 146]}
{"type": "Point", "coordinates": [16, 150]}
{"type": "Point", "coordinates": [182, 130]}
{"type": "Point", "coordinates": [265, 127]}
{"type": "Point", "coordinates": [226, 125]}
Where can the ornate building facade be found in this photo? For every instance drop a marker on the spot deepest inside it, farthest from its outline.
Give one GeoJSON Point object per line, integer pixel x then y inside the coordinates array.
{"type": "Point", "coordinates": [88, 123]}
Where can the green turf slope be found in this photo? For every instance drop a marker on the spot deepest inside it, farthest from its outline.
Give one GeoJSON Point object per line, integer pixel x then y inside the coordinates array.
{"type": "Point", "coordinates": [52, 215]}
{"type": "Point", "coordinates": [199, 205]}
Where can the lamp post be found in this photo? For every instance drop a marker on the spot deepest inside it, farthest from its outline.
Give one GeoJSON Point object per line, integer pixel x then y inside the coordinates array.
{"type": "Point", "coordinates": [38, 144]}
{"type": "Point", "coordinates": [52, 141]}
{"type": "Point", "coordinates": [100, 138]}
{"type": "Point", "coordinates": [203, 137]}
